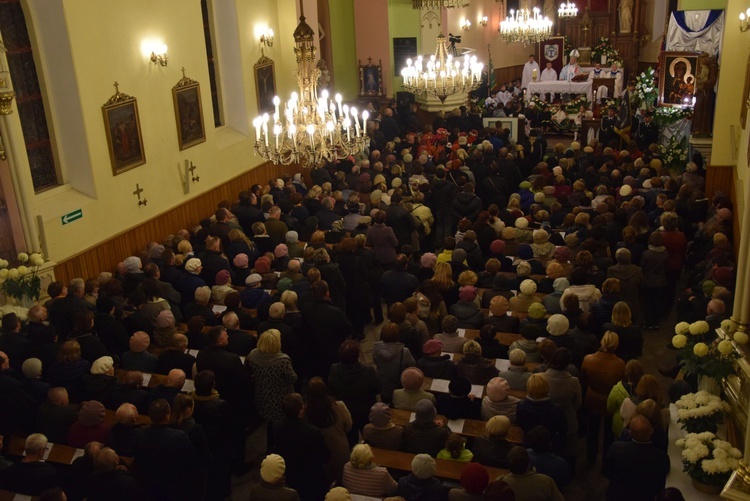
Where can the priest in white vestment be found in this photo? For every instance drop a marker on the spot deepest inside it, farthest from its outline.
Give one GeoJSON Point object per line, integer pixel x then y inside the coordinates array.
{"type": "Point", "coordinates": [548, 74]}
{"type": "Point", "coordinates": [616, 73]}
{"type": "Point", "coordinates": [570, 70]}
{"type": "Point", "coordinates": [528, 71]}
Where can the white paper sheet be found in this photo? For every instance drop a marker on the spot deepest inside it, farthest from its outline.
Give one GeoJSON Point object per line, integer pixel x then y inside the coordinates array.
{"type": "Point", "coordinates": [456, 425]}
{"type": "Point", "coordinates": [450, 355]}
{"type": "Point", "coordinates": [461, 332]}
{"type": "Point", "coordinates": [540, 339]}
{"type": "Point", "coordinates": [412, 417]}
{"type": "Point", "coordinates": [189, 386]}
{"type": "Point", "coordinates": [193, 353]}
{"type": "Point", "coordinates": [242, 359]}
{"type": "Point", "coordinates": [502, 364]}
{"type": "Point", "coordinates": [146, 379]}
{"type": "Point", "coordinates": [477, 390]}
{"type": "Point", "coordinates": [24, 497]}
{"type": "Point", "coordinates": [357, 497]}
{"type": "Point", "coordinates": [440, 385]}
{"type": "Point", "coordinates": [218, 309]}
{"type": "Point", "coordinates": [77, 454]}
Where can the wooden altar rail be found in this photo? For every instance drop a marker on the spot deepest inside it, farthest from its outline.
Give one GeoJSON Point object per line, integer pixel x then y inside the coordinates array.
{"type": "Point", "coordinates": [724, 178]}
{"type": "Point", "coordinates": [105, 255]}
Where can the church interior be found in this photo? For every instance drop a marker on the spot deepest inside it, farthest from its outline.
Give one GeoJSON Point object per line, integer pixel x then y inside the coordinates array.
{"type": "Point", "coordinates": [124, 122]}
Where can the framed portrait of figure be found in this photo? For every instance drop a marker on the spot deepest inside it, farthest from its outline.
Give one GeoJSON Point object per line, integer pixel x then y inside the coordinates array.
{"type": "Point", "coordinates": [371, 79]}
{"type": "Point", "coordinates": [265, 84]}
{"type": "Point", "coordinates": [677, 78]}
{"type": "Point", "coordinates": [188, 112]}
{"type": "Point", "coordinates": [123, 128]}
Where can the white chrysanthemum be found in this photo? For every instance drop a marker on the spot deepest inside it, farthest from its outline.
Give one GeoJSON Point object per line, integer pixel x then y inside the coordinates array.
{"type": "Point", "coordinates": [699, 327]}
{"type": "Point", "coordinates": [13, 273]}
{"type": "Point", "coordinates": [23, 257]}
{"type": "Point", "coordinates": [22, 270]}
{"type": "Point", "coordinates": [3, 273]}
{"type": "Point", "coordinates": [725, 347]}
{"type": "Point", "coordinates": [728, 326]}
{"type": "Point", "coordinates": [700, 349]}
{"type": "Point", "coordinates": [739, 336]}
{"type": "Point", "coordinates": [682, 328]}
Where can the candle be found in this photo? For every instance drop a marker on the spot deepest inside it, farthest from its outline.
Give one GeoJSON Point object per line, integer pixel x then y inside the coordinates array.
{"type": "Point", "coordinates": [276, 103]}
{"type": "Point", "coordinates": [311, 133]}
{"type": "Point", "coordinates": [338, 102]}
{"type": "Point", "coordinates": [356, 120]}
{"type": "Point", "coordinates": [257, 123]}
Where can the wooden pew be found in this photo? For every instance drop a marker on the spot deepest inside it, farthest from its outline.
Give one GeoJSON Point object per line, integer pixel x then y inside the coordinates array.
{"type": "Point", "coordinates": [428, 386]}
{"type": "Point", "coordinates": [58, 453]}
{"type": "Point", "coordinates": [471, 427]}
{"type": "Point", "coordinates": [505, 338]}
{"type": "Point", "coordinates": [155, 380]}
{"type": "Point", "coordinates": [110, 418]}
{"type": "Point", "coordinates": [401, 461]}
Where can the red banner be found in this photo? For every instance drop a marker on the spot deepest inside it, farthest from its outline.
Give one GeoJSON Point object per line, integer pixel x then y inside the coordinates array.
{"type": "Point", "coordinates": [552, 51]}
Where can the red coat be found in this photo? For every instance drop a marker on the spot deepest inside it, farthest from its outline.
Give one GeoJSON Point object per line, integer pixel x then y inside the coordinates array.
{"type": "Point", "coordinates": [676, 245]}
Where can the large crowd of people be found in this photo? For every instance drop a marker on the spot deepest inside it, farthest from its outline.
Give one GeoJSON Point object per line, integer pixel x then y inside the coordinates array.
{"type": "Point", "coordinates": [577, 253]}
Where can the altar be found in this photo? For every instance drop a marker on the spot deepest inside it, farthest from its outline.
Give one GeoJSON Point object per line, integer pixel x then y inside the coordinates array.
{"type": "Point", "coordinates": [561, 87]}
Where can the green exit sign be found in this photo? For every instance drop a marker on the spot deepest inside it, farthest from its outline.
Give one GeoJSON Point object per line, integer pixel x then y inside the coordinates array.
{"type": "Point", "coordinates": [72, 216]}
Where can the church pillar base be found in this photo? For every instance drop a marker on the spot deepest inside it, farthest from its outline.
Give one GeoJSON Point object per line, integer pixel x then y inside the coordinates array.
{"type": "Point", "coordinates": [703, 145]}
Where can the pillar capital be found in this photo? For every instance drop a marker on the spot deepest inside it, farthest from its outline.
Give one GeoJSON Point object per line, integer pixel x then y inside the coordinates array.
{"type": "Point", "coordinates": [6, 102]}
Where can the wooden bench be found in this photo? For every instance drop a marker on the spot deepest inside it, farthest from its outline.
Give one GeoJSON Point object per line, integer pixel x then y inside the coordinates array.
{"type": "Point", "coordinates": [471, 427]}
{"type": "Point", "coordinates": [441, 386]}
{"type": "Point", "coordinates": [155, 380]}
{"type": "Point", "coordinates": [57, 453]}
{"type": "Point", "coordinates": [505, 338]}
{"type": "Point", "coordinates": [482, 290]}
{"type": "Point", "coordinates": [110, 417]}
{"type": "Point", "coordinates": [445, 469]}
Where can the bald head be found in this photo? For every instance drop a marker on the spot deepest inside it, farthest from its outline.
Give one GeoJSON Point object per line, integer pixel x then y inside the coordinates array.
{"type": "Point", "coordinates": [294, 266]}
{"type": "Point", "coordinates": [231, 321]}
{"type": "Point", "coordinates": [179, 342]}
{"type": "Point", "coordinates": [498, 306]}
{"type": "Point", "coordinates": [715, 307]}
{"type": "Point", "coordinates": [176, 378]}
{"type": "Point", "coordinates": [106, 460]}
{"type": "Point", "coordinates": [127, 414]}
{"type": "Point", "coordinates": [277, 311]}
{"type": "Point", "coordinates": [37, 313]}
{"type": "Point", "coordinates": [58, 396]}
{"type": "Point", "coordinates": [641, 429]}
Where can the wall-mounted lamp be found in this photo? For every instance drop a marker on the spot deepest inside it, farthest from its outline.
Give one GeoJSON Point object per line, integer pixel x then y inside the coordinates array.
{"type": "Point", "coordinates": [159, 54]}
{"type": "Point", "coordinates": [744, 20]}
{"type": "Point", "coordinates": [484, 21]}
{"type": "Point", "coordinates": [466, 25]}
{"type": "Point", "coordinates": [266, 39]}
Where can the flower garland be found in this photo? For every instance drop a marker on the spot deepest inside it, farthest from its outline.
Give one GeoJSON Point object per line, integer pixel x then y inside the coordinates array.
{"type": "Point", "coordinates": [675, 153]}
{"type": "Point", "coordinates": [605, 48]}
{"type": "Point", "coordinates": [703, 354]}
{"type": "Point", "coordinates": [645, 86]}
{"type": "Point", "coordinates": [537, 102]}
{"type": "Point", "coordinates": [700, 411]}
{"type": "Point", "coordinates": [22, 281]}
{"type": "Point", "coordinates": [575, 104]}
{"type": "Point", "coordinates": [707, 459]}
{"type": "Point", "coordinates": [667, 115]}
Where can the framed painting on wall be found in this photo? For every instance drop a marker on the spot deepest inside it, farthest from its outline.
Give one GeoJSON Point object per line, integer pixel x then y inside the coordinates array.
{"type": "Point", "coordinates": [677, 78]}
{"type": "Point", "coordinates": [371, 79]}
{"type": "Point", "coordinates": [265, 84]}
{"type": "Point", "coordinates": [123, 129]}
{"type": "Point", "coordinates": [745, 96]}
{"type": "Point", "coordinates": [188, 112]}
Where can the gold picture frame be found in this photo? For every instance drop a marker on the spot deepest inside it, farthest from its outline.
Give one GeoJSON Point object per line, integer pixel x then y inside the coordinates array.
{"type": "Point", "coordinates": [677, 79]}
{"type": "Point", "coordinates": [371, 79]}
{"type": "Point", "coordinates": [188, 112]}
{"type": "Point", "coordinates": [123, 128]}
{"type": "Point", "coordinates": [745, 96]}
{"type": "Point", "coordinates": [265, 84]}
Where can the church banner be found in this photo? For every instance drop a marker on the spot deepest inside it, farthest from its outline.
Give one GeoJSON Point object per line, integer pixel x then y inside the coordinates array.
{"type": "Point", "coordinates": [552, 51]}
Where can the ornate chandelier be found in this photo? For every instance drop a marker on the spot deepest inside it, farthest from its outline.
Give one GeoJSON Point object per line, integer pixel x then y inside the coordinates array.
{"type": "Point", "coordinates": [526, 27]}
{"type": "Point", "coordinates": [314, 129]}
{"type": "Point", "coordinates": [439, 4]}
{"type": "Point", "coordinates": [442, 75]}
{"type": "Point", "coordinates": [567, 10]}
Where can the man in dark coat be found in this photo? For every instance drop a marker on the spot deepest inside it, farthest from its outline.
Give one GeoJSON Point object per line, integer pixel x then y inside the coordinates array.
{"type": "Point", "coordinates": [439, 200]}
{"type": "Point", "coordinates": [648, 132]}
{"type": "Point", "coordinates": [221, 227]}
{"type": "Point", "coordinates": [63, 310]}
{"type": "Point", "coordinates": [402, 222]}
{"type": "Point", "coordinates": [212, 262]}
{"type": "Point", "coordinates": [303, 448]}
{"type": "Point", "coordinates": [110, 483]}
{"type": "Point", "coordinates": [327, 326]}
{"type": "Point", "coordinates": [164, 459]}
{"type": "Point", "coordinates": [31, 476]}
{"type": "Point", "coordinates": [175, 357]}
{"type": "Point", "coordinates": [232, 379]}
{"type": "Point", "coordinates": [397, 285]}
{"type": "Point", "coordinates": [637, 459]}
{"type": "Point", "coordinates": [247, 213]}
{"type": "Point", "coordinates": [467, 204]}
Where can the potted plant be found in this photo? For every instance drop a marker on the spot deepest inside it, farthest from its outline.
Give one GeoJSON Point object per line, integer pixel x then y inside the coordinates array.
{"type": "Point", "coordinates": [704, 355]}
{"type": "Point", "coordinates": [23, 282]}
{"type": "Point", "coordinates": [701, 411]}
{"type": "Point", "coordinates": [708, 461]}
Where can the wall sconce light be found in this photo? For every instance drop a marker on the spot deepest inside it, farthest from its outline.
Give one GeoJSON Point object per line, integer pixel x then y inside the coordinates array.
{"type": "Point", "coordinates": [266, 38]}
{"type": "Point", "coordinates": [744, 20]}
{"type": "Point", "coordinates": [484, 21]}
{"type": "Point", "coordinates": [466, 25]}
{"type": "Point", "coordinates": [159, 55]}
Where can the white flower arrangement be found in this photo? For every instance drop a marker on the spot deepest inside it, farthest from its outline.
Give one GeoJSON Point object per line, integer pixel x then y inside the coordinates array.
{"type": "Point", "coordinates": [21, 312]}
{"type": "Point", "coordinates": [701, 411]}
{"type": "Point", "coordinates": [682, 328]}
{"type": "Point", "coordinates": [22, 281]}
{"type": "Point", "coordinates": [707, 459]}
{"type": "Point", "coordinates": [675, 152]}
{"type": "Point", "coordinates": [699, 328]}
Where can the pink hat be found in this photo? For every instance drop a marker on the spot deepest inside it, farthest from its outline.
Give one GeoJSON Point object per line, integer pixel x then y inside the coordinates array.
{"type": "Point", "coordinates": [432, 346]}
{"type": "Point", "coordinates": [222, 277]}
{"type": "Point", "coordinates": [262, 265]}
{"type": "Point", "coordinates": [497, 247]}
{"type": "Point", "coordinates": [428, 260]}
{"type": "Point", "coordinates": [241, 261]}
{"type": "Point", "coordinates": [281, 250]}
{"type": "Point", "coordinates": [498, 389]}
{"type": "Point", "coordinates": [562, 254]}
{"type": "Point", "coordinates": [468, 293]}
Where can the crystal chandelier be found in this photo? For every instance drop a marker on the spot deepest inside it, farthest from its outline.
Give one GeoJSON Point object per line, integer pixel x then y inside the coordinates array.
{"type": "Point", "coordinates": [439, 4]}
{"type": "Point", "coordinates": [567, 10]}
{"type": "Point", "coordinates": [442, 75]}
{"type": "Point", "coordinates": [525, 26]}
{"type": "Point", "coordinates": [314, 129]}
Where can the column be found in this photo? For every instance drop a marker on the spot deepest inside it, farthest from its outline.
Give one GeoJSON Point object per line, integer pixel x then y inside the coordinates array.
{"type": "Point", "coordinates": [15, 149]}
